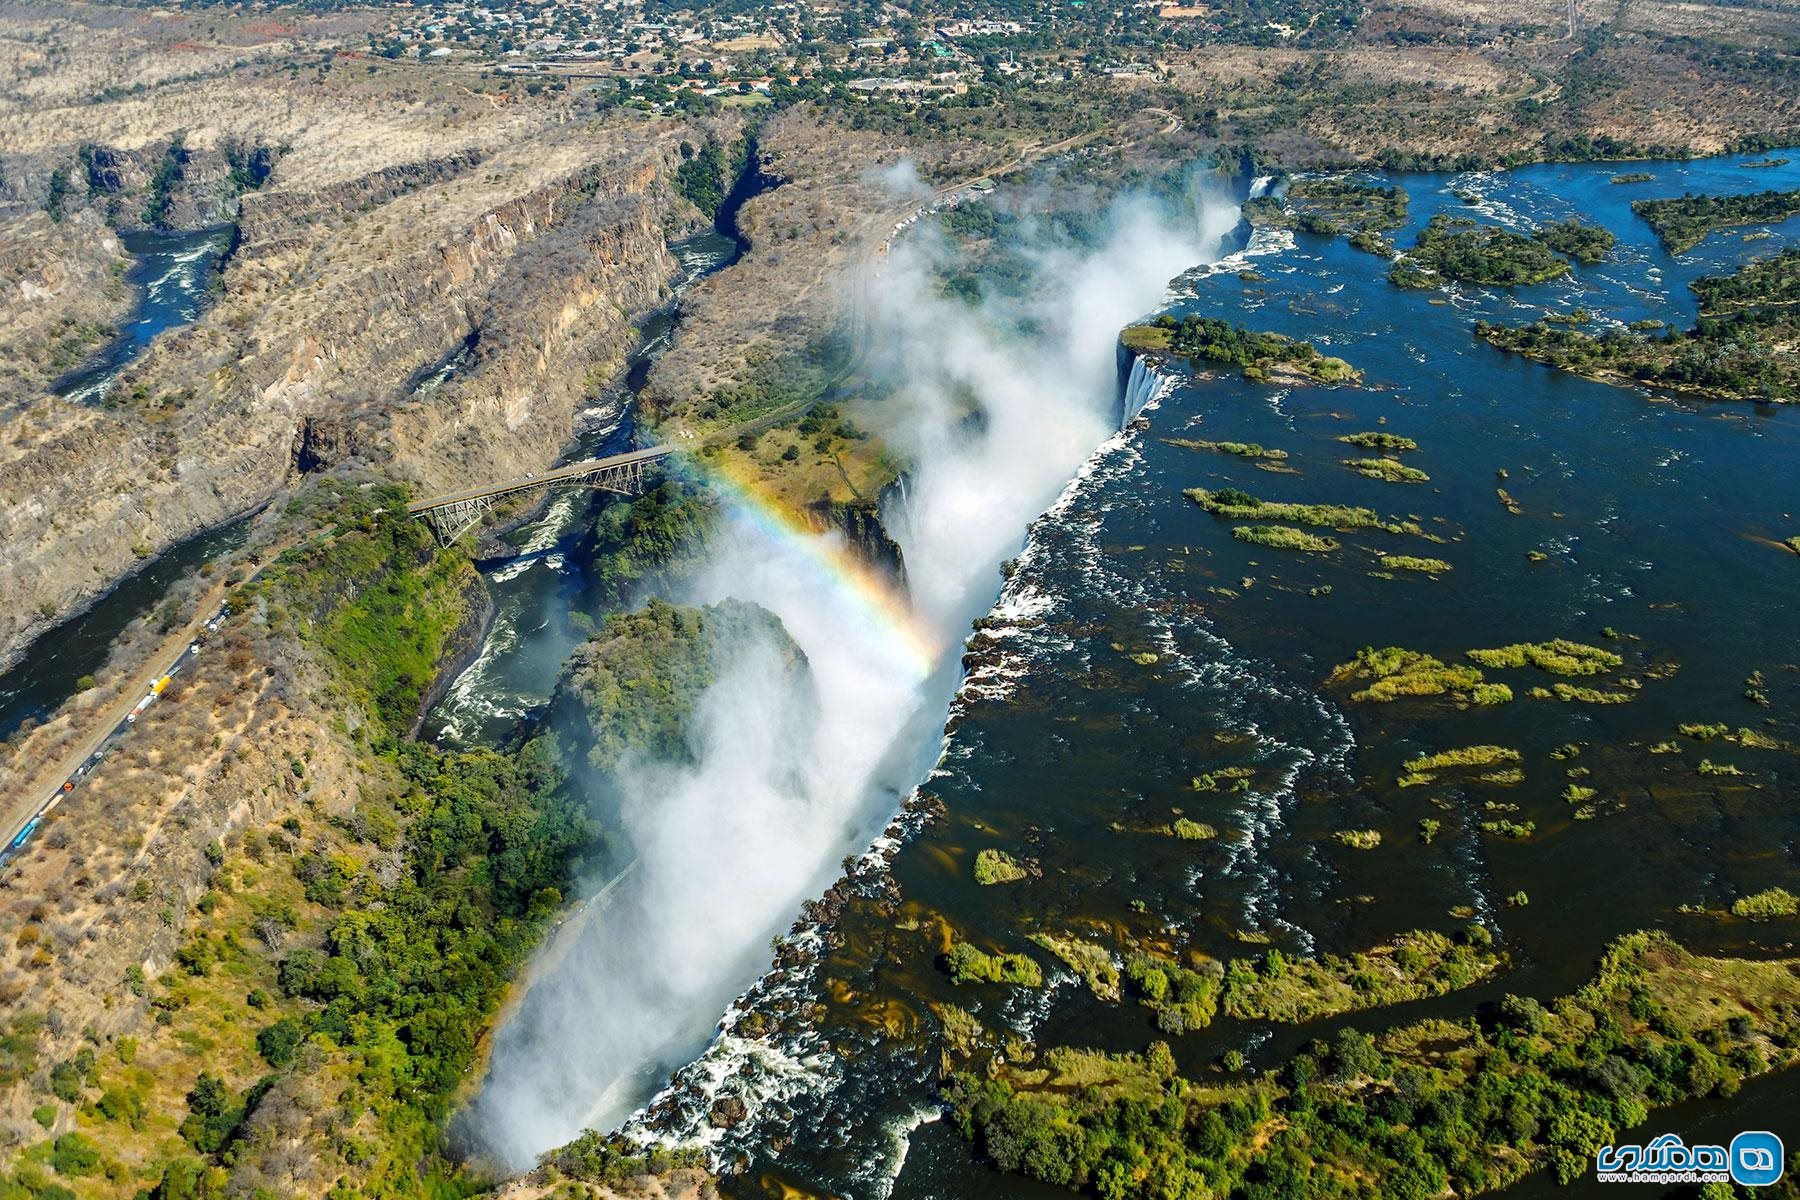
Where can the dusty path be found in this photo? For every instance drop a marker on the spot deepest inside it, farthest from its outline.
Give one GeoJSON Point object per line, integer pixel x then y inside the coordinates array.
{"type": "Point", "coordinates": [45, 786]}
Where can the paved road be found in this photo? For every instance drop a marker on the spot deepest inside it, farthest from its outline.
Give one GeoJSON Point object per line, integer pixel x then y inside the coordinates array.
{"type": "Point", "coordinates": [176, 654]}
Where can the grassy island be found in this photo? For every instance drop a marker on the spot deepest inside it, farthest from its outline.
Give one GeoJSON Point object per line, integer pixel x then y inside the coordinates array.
{"type": "Point", "coordinates": [1409, 562]}
{"type": "Point", "coordinates": [1335, 206]}
{"type": "Point", "coordinates": [997, 866]}
{"type": "Point", "coordinates": [1389, 442]}
{"type": "Point", "coordinates": [1739, 349]}
{"type": "Point", "coordinates": [1236, 504]}
{"type": "Point", "coordinates": [1587, 244]}
{"type": "Point", "coordinates": [969, 964]}
{"type": "Point", "coordinates": [1282, 537]}
{"type": "Point", "coordinates": [1461, 249]}
{"type": "Point", "coordinates": [1558, 657]}
{"type": "Point", "coordinates": [1683, 222]}
{"type": "Point", "coordinates": [1395, 673]}
{"type": "Point", "coordinates": [1764, 283]}
{"type": "Point", "coordinates": [1237, 449]}
{"type": "Point", "coordinates": [1766, 905]}
{"type": "Point", "coordinates": [1263, 356]}
{"type": "Point", "coordinates": [1432, 1108]}
{"type": "Point", "coordinates": [1388, 470]}
{"type": "Point", "coordinates": [1292, 990]}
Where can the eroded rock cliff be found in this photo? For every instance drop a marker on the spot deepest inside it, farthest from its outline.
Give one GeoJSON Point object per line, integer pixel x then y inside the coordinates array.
{"type": "Point", "coordinates": [541, 254]}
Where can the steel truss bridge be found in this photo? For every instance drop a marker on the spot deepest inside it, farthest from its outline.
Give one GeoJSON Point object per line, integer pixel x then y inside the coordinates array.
{"type": "Point", "coordinates": [454, 514]}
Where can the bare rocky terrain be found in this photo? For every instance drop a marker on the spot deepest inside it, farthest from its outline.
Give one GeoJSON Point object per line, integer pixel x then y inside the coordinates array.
{"type": "Point", "coordinates": [404, 218]}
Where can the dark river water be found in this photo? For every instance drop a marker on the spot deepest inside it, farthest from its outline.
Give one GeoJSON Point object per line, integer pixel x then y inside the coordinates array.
{"type": "Point", "coordinates": [172, 273]}
{"type": "Point", "coordinates": [172, 276]}
{"type": "Point", "coordinates": [1658, 521]}
{"type": "Point", "coordinates": [535, 591]}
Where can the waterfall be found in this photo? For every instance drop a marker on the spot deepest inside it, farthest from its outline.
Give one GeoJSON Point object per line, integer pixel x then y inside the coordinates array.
{"type": "Point", "coordinates": [1260, 186]}
{"type": "Point", "coordinates": [1141, 386]}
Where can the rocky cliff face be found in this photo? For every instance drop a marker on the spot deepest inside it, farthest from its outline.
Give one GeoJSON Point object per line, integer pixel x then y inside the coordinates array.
{"type": "Point", "coordinates": [62, 293]}
{"type": "Point", "coordinates": [333, 305]}
{"type": "Point", "coordinates": [862, 527]}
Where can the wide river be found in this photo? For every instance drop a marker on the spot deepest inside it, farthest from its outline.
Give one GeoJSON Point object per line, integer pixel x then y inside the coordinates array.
{"type": "Point", "coordinates": [1647, 524]}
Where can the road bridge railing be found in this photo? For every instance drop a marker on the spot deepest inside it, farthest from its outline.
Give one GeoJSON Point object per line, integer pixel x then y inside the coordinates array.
{"type": "Point", "coordinates": [454, 513]}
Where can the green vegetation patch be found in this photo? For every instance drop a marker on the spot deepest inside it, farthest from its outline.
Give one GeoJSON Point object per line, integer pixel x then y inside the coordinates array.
{"type": "Point", "coordinates": [1414, 966]}
{"type": "Point", "coordinates": [1558, 657]}
{"type": "Point", "coordinates": [1570, 693]}
{"type": "Point", "coordinates": [1407, 562]}
{"type": "Point", "coordinates": [1240, 449]}
{"type": "Point", "coordinates": [1283, 537]}
{"type": "Point", "coordinates": [1236, 504]}
{"type": "Point", "coordinates": [1759, 284]}
{"type": "Point", "coordinates": [373, 596]}
{"type": "Point", "coordinates": [1466, 756]}
{"type": "Point", "coordinates": [1516, 831]}
{"type": "Point", "coordinates": [1334, 206]}
{"type": "Point", "coordinates": [633, 687]}
{"type": "Point", "coordinates": [1192, 831]}
{"type": "Point", "coordinates": [1357, 839]}
{"type": "Point", "coordinates": [1587, 244]}
{"type": "Point", "coordinates": [997, 866]}
{"type": "Point", "coordinates": [1376, 440]}
{"type": "Point", "coordinates": [969, 964]}
{"type": "Point", "coordinates": [1740, 347]}
{"type": "Point", "coordinates": [633, 539]}
{"type": "Point", "coordinates": [1183, 999]}
{"type": "Point", "coordinates": [611, 1161]}
{"type": "Point", "coordinates": [1395, 673]}
{"type": "Point", "coordinates": [1682, 222]}
{"type": "Point", "coordinates": [1261, 355]}
{"type": "Point", "coordinates": [1389, 470]}
{"type": "Point", "coordinates": [1460, 249]}
{"type": "Point", "coordinates": [1094, 964]}
{"type": "Point", "coordinates": [705, 175]}
{"type": "Point", "coordinates": [1633, 177]}
{"type": "Point", "coordinates": [1766, 905]}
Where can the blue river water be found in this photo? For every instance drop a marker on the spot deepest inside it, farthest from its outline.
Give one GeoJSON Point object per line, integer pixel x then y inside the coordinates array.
{"type": "Point", "coordinates": [172, 272]}
{"type": "Point", "coordinates": [1139, 646]}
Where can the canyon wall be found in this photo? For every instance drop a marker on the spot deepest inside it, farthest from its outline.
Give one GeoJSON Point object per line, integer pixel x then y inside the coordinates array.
{"type": "Point", "coordinates": [540, 254]}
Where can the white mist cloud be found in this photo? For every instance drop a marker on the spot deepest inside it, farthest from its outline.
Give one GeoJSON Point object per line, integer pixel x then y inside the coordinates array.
{"type": "Point", "coordinates": [1045, 400]}
{"type": "Point", "coordinates": [788, 779]}
{"type": "Point", "coordinates": [901, 180]}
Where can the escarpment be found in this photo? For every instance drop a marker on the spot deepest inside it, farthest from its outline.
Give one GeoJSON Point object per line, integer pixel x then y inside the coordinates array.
{"type": "Point", "coordinates": [335, 303]}
{"type": "Point", "coordinates": [862, 526]}
{"type": "Point", "coordinates": [62, 294]}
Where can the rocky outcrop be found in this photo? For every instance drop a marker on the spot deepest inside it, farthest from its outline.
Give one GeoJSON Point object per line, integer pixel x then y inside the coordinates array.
{"type": "Point", "coordinates": [304, 363]}
{"type": "Point", "coordinates": [62, 294]}
{"type": "Point", "coordinates": [164, 182]}
{"type": "Point", "coordinates": [271, 222]}
{"type": "Point", "coordinates": [861, 525]}
{"type": "Point", "coordinates": [323, 442]}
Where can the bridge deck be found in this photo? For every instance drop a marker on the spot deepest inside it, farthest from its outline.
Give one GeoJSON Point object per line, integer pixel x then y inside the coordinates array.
{"type": "Point", "coordinates": [527, 482]}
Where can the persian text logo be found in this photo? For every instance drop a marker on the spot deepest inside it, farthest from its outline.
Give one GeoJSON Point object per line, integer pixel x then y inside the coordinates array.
{"type": "Point", "coordinates": [1754, 1160]}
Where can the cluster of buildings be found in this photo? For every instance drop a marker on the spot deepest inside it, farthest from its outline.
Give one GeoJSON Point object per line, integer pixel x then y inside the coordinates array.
{"type": "Point", "coordinates": [726, 48]}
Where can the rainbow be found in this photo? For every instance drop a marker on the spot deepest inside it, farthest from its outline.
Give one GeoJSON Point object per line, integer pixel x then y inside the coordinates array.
{"type": "Point", "coordinates": [865, 592]}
